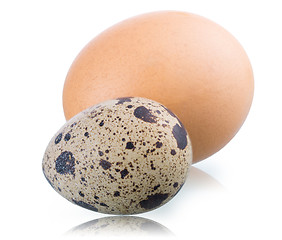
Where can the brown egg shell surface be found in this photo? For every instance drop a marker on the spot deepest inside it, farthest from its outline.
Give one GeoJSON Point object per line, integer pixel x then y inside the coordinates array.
{"type": "Point", "coordinates": [184, 61]}
{"type": "Point", "coordinates": [122, 156]}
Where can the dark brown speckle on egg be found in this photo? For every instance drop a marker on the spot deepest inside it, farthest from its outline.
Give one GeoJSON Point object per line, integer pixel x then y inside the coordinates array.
{"type": "Point", "coordinates": [180, 135]}
{"type": "Point", "coordinates": [153, 201]}
{"type": "Point", "coordinates": [65, 163]}
{"type": "Point", "coordinates": [58, 138]}
{"type": "Point", "coordinates": [145, 114]}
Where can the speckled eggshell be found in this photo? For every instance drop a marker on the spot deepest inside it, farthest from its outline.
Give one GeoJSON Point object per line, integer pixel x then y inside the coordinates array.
{"type": "Point", "coordinates": [122, 156]}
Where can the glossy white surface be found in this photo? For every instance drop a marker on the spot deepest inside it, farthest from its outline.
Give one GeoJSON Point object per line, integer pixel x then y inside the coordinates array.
{"type": "Point", "coordinates": [235, 194]}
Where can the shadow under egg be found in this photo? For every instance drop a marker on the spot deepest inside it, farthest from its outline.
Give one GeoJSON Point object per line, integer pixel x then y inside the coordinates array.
{"type": "Point", "coordinates": [199, 180]}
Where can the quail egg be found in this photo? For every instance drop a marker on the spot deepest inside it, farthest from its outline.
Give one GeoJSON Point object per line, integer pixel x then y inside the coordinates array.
{"type": "Point", "coordinates": [123, 156]}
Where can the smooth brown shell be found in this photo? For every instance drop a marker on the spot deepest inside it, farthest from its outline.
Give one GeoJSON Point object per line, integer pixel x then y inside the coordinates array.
{"type": "Point", "coordinates": [184, 61]}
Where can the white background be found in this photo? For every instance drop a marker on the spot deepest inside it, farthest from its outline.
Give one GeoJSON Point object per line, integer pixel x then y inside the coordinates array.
{"type": "Point", "coordinates": [234, 194]}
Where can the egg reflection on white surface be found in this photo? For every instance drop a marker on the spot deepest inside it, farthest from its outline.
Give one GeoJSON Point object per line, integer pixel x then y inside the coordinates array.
{"type": "Point", "coordinates": [120, 226]}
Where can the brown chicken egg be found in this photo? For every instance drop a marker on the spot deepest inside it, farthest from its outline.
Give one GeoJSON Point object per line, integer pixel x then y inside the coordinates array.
{"type": "Point", "coordinates": [186, 62]}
